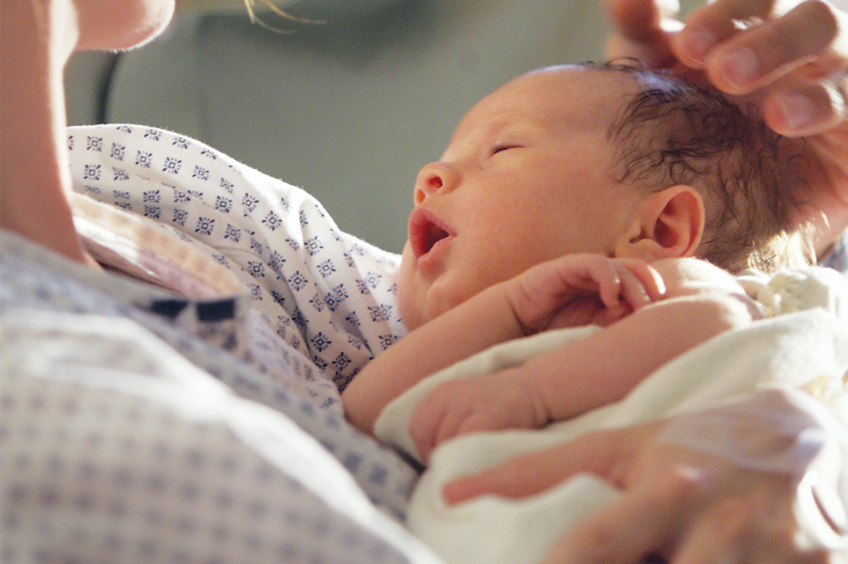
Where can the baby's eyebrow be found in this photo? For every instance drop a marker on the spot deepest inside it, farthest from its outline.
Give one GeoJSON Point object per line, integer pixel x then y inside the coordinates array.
{"type": "Point", "coordinates": [505, 127]}
{"type": "Point", "coordinates": [496, 127]}
{"type": "Point", "coordinates": [479, 133]}
{"type": "Point", "coordinates": [518, 124]}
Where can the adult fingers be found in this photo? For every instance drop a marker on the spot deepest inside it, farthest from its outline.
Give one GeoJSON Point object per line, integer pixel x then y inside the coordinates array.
{"type": "Point", "coordinates": [793, 63]}
{"type": "Point", "coordinates": [744, 44]}
{"type": "Point", "coordinates": [766, 52]}
{"type": "Point", "coordinates": [643, 523]}
{"type": "Point", "coordinates": [525, 475]}
{"type": "Point", "coordinates": [748, 528]}
{"type": "Point", "coordinates": [640, 30]}
{"type": "Point", "coordinates": [606, 454]}
{"type": "Point", "coordinates": [807, 109]}
{"type": "Point", "coordinates": [716, 23]}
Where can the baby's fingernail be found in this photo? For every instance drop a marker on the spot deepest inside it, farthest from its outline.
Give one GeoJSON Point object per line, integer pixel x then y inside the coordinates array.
{"type": "Point", "coordinates": [740, 66]}
{"type": "Point", "coordinates": [797, 110]}
{"type": "Point", "coordinates": [697, 43]}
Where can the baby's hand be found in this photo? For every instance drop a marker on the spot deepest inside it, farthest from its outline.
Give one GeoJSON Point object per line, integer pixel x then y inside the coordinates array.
{"type": "Point", "coordinates": [581, 289]}
{"type": "Point", "coordinates": [490, 402]}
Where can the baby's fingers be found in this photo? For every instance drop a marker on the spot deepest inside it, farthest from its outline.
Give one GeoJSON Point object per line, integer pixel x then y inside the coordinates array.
{"type": "Point", "coordinates": [639, 284]}
{"type": "Point", "coordinates": [442, 415]}
{"type": "Point", "coordinates": [611, 279]}
{"type": "Point", "coordinates": [627, 290]}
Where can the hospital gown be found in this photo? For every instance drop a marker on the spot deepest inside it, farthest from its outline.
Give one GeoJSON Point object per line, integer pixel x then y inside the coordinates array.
{"type": "Point", "coordinates": [137, 425]}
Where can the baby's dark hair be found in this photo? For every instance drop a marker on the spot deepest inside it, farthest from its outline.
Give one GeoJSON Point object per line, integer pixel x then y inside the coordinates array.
{"type": "Point", "coordinates": [673, 133]}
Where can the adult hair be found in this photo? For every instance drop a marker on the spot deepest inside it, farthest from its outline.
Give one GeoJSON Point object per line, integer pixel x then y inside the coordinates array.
{"type": "Point", "coordinates": [673, 133]}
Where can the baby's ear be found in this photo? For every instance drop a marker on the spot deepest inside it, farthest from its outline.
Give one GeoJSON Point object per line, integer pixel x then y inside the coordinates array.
{"type": "Point", "coordinates": [670, 225]}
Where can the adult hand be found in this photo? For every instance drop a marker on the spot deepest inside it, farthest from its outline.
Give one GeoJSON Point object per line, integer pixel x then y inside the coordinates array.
{"type": "Point", "coordinates": [677, 504]}
{"type": "Point", "coordinates": [789, 58]}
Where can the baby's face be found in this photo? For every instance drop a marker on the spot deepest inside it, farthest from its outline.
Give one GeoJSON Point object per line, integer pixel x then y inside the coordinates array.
{"type": "Point", "coordinates": [525, 179]}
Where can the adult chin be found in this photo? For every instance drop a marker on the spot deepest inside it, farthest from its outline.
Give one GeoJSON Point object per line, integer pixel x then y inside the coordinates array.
{"type": "Point", "coordinates": [116, 25]}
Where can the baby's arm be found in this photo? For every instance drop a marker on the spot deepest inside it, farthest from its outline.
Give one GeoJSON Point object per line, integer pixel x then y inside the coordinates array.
{"type": "Point", "coordinates": [571, 290]}
{"type": "Point", "coordinates": [591, 372]}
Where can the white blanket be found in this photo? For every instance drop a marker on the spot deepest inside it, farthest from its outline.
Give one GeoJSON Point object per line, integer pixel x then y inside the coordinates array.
{"type": "Point", "coordinates": [804, 346]}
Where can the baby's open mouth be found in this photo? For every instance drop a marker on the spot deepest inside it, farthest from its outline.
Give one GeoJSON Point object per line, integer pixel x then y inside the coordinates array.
{"type": "Point", "coordinates": [425, 230]}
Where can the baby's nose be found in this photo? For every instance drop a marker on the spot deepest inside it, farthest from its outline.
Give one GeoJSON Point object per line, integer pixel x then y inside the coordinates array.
{"type": "Point", "coordinates": [433, 178]}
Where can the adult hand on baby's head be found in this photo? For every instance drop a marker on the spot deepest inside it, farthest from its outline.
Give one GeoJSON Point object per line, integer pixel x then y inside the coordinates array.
{"type": "Point", "coordinates": [790, 57]}
{"type": "Point", "coordinates": [796, 60]}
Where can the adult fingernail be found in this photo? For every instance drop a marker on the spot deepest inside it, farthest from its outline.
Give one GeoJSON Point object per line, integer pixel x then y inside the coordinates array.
{"type": "Point", "coordinates": [797, 110]}
{"type": "Point", "coordinates": [739, 66]}
{"type": "Point", "coordinates": [697, 43]}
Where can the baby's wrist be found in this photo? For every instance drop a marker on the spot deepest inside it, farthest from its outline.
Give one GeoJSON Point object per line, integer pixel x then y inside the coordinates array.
{"type": "Point", "coordinates": [519, 325]}
{"type": "Point", "coordinates": [534, 392]}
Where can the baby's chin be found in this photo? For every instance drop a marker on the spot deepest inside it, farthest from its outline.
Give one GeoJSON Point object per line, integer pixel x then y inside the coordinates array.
{"type": "Point", "coordinates": [410, 315]}
{"type": "Point", "coordinates": [418, 312]}
{"type": "Point", "coordinates": [407, 303]}
{"type": "Point", "coordinates": [420, 302]}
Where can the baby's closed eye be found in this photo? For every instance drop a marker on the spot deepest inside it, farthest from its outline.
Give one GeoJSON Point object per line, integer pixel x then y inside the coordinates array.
{"type": "Point", "coordinates": [504, 147]}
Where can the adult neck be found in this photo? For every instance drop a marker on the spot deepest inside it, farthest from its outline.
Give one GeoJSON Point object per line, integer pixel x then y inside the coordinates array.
{"type": "Point", "coordinates": [36, 39]}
